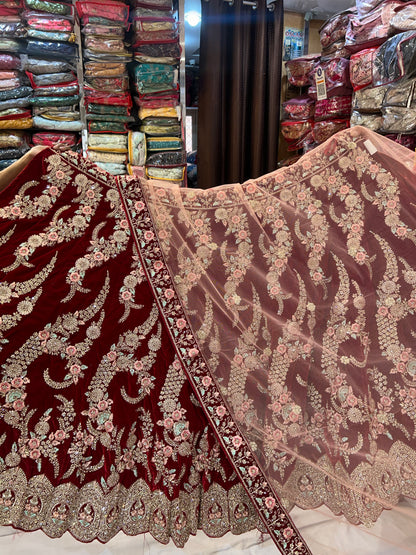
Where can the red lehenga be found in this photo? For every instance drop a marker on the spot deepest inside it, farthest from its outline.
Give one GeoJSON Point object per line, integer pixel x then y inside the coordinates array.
{"type": "Point", "coordinates": [176, 359]}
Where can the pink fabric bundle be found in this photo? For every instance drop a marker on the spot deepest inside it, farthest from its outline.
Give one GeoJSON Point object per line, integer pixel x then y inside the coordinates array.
{"type": "Point", "coordinates": [299, 70]}
{"type": "Point", "coordinates": [334, 107]}
{"type": "Point", "coordinates": [361, 68]}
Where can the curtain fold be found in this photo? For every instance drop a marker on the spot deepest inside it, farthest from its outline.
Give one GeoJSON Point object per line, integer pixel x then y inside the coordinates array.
{"type": "Point", "coordinates": [239, 99]}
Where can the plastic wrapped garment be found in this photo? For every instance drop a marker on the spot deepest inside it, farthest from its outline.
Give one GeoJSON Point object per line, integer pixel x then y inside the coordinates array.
{"type": "Point", "coordinates": [103, 30]}
{"type": "Point", "coordinates": [8, 162]}
{"type": "Point", "coordinates": [370, 121]}
{"type": "Point", "coordinates": [336, 49]}
{"type": "Point", "coordinates": [9, 74]}
{"type": "Point", "coordinates": [334, 28]}
{"type": "Point", "coordinates": [115, 11]}
{"type": "Point", "coordinates": [150, 60]}
{"type": "Point", "coordinates": [168, 112]}
{"type": "Point", "coordinates": [40, 66]}
{"type": "Point", "coordinates": [15, 29]}
{"type": "Point", "coordinates": [109, 118]}
{"type": "Point", "coordinates": [163, 143]}
{"type": "Point", "coordinates": [108, 84]}
{"type": "Point", "coordinates": [11, 45]}
{"type": "Point", "coordinates": [159, 100]}
{"type": "Point", "coordinates": [395, 59]}
{"type": "Point", "coordinates": [299, 70]}
{"type": "Point", "coordinates": [15, 102]}
{"type": "Point", "coordinates": [364, 7]}
{"type": "Point", "coordinates": [155, 36]}
{"type": "Point", "coordinates": [401, 93]}
{"type": "Point", "coordinates": [21, 123]}
{"type": "Point", "coordinates": [154, 25]}
{"type": "Point", "coordinates": [105, 45]}
{"type": "Point", "coordinates": [136, 148]}
{"type": "Point", "coordinates": [138, 171]}
{"type": "Point", "coordinates": [397, 119]}
{"type": "Point", "coordinates": [151, 12]}
{"type": "Point", "coordinates": [104, 141]}
{"type": "Point", "coordinates": [361, 68]}
{"type": "Point", "coordinates": [14, 113]}
{"type": "Point", "coordinates": [55, 100]}
{"type": "Point", "coordinates": [44, 123]}
{"type": "Point", "coordinates": [108, 109]}
{"type": "Point", "coordinates": [158, 127]}
{"type": "Point", "coordinates": [13, 139]}
{"type": "Point", "coordinates": [104, 69]}
{"type": "Point", "coordinates": [93, 56]}
{"type": "Point", "coordinates": [58, 141]}
{"type": "Point", "coordinates": [55, 49]}
{"type": "Point", "coordinates": [295, 130]}
{"type": "Point", "coordinates": [107, 127]}
{"type": "Point", "coordinates": [150, 4]}
{"type": "Point", "coordinates": [369, 100]}
{"type": "Point", "coordinates": [176, 173]}
{"type": "Point", "coordinates": [114, 169]}
{"type": "Point", "coordinates": [155, 77]}
{"type": "Point", "coordinates": [51, 78]}
{"type": "Point", "coordinates": [336, 107]}
{"type": "Point", "coordinates": [337, 77]}
{"type": "Point", "coordinates": [50, 35]}
{"type": "Point", "coordinates": [405, 17]}
{"type": "Point", "coordinates": [63, 90]}
{"type": "Point", "coordinates": [58, 8]}
{"type": "Point", "coordinates": [10, 61]}
{"type": "Point", "coordinates": [15, 93]}
{"type": "Point", "coordinates": [172, 158]}
{"type": "Point", "coordinates": [13, 152]}
{"type": "Point", "coordinates": [104, 98]}
{"type": "Point", "coordinates": [57, 113]}
{"type": "Point", "coordinates": [409, 141]}
{"type": "Point", "coordinates": [108, 157]}
{"type": "Point", "coordinates": [9, 84]}
{"type": "Point", "coordinates": [373, 29]}
{"type": "Point", "coordinates": [47, 22]}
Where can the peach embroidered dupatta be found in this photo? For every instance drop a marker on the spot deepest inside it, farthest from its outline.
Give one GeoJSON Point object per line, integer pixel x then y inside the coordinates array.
{"type": "Point", "coordinates": [291, 300]}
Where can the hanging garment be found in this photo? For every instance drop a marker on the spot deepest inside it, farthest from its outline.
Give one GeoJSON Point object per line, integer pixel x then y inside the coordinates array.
{"type": "Point", "coordinates": [278, 320]}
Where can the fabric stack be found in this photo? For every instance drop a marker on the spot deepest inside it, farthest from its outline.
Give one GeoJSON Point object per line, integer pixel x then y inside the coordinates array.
{"type": "Point", "coordinates": [50, 65]}
{"type": "Point", "coordinates": [15, 90]}
{"type": "Point", "coordinates": [325, 107]}
{"type": "Point", "coordinates": [382, 38]}
{"type": "Point", "coordinates": [107, 98]}
{"type": "Point", "coordinates": [158, 144]}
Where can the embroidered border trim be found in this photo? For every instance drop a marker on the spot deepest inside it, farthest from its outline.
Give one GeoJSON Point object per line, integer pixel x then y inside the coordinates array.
{"type": "Point", "coordinates": [279, 525]}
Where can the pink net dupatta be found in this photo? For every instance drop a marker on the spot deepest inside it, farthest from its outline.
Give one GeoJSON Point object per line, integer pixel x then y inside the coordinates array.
{"type": "Point", "coordinates": [291, 300]}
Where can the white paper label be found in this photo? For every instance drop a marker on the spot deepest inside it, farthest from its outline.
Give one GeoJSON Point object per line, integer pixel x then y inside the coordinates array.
{"type": "Point", "coordinates": [320, 84]}
{"type": "Point", "coordinates": [369, 146]}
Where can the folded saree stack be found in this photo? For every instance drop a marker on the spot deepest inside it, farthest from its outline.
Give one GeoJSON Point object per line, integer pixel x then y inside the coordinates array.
{"type": "Point", "coordinates": [107, 97]}
{"type": "Point", "coordinates": [157, 52]}
{"type": "Point", "coordinates": [15, 90]}
{"type": "Point", "coordinates": [50, 65]}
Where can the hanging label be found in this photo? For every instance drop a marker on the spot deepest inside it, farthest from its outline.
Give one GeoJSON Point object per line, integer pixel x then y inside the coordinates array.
{"type": "Point", "coordinates": [320, 84]}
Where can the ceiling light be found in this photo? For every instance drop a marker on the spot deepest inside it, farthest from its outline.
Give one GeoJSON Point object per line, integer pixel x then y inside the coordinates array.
{"type": "Point", "coordinates": [193, 18]}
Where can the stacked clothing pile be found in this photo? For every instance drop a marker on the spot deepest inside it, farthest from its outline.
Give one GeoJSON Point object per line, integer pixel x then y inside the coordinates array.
{"type": "Point", "coordinates": [158, 144]}
{"type": "Point", "coordinates": [325, 106]}
{"type": "Point", "coordinates": [15, 90]}
{"type": "Point", "coordinates": [383, 66]}
{"type": "Point", "coordinates": [107, 98]}
{"type": "Point", "coordinates": [50, 65]}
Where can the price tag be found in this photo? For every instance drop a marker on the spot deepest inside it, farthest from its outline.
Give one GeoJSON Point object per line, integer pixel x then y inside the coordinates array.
{"type": "Point", "coordinates": [320, 84]}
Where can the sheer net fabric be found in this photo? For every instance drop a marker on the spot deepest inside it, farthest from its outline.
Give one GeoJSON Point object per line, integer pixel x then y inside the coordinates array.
{"type": "Point", "coordinates": [299, 291]}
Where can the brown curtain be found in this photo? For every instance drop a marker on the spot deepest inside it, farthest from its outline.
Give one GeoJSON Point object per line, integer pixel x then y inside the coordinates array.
{"type": "Point", "coordinates": [239, 98]}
